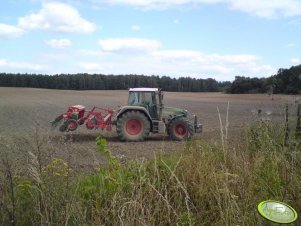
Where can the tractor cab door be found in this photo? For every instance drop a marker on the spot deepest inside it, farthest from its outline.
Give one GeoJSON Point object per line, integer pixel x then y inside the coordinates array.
{"type": "Point", "coordinates": [153, 110]}
{"type": "Point", "coordinates": [144, 99]}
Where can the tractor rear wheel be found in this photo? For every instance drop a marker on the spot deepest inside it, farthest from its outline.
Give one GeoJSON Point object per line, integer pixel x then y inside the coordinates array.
{"type": "Point", "coordinates": [180, 129]}
{"type": "Point", "coordinates": [133, 126]}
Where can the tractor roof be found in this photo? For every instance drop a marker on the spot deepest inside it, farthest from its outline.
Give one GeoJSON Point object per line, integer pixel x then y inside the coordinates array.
{"type": "Point", "coordinates": [143, 89]}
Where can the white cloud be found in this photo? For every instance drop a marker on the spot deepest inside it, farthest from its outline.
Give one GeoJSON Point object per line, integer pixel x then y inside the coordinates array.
{"type": "Point", "coordinates": [290, 45]}
{"type": "Point", "coordinates": [47, 57]}
{"type": "Point", "coordinates": [295, 60]}
{"type": "Point", "coordinates": [20, 65]}
{"type": "Point", "coordinates": [129, 45]}
{"type": "Point", "coordinates": [59, 43]}
{"type": "Point", "coordinates": [174, 67]}
{"type": "Point", "coordinates": [177, 54]}
{"type": "Point", "coordinates": [200, 57]}
{"type": "Point", "coordinates": [58, 17]}
{"type": "Point", "coordinates": [176, 21]}
{"type": "Point", "coordinates": [118, 56]}
{"type": "Point", "coordinates": [135, 27]}
{"type": "Point", "coordinates": [198, 62]}
{"type": "Point", "coordinates": [9, 31]}
{"type": "Point", "coordinates": [90, 66]}
{"type": "Point", "coordinates": [158, 4]}
{"type": "Point", "coordinates": [267, 8]}
{"type": "Point", "coordinates": [233, 59]}
{"type": "Point", "coordinates": [91, 53]}
{"type": "Point", "coordinates": [257, 69]}
{"type": "Point", "coordinates": [2, 62]}
{"type": "Point", "coordinates": [261, 8]}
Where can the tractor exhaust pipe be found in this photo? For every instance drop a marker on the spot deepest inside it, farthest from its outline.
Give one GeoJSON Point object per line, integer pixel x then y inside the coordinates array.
{"type": "Point", "coordinates": [161, 106]}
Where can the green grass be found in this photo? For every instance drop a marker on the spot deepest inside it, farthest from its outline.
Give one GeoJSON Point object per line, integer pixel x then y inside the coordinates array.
{"type": "Point", "coordinates": [217, 183]}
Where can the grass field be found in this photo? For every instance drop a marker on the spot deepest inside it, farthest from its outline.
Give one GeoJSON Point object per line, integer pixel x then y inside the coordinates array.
{"type": "Point", "coordinates": [217, 178]}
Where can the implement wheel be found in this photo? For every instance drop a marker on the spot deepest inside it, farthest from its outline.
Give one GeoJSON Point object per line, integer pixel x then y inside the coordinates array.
{"type": "Point", "coordinates": [180, 129]}
{"type": "Point", "coordinates": [63, 127]}
{"type": "Point", "coordinates": [133, 126]}
{"type": "Point", "coordinates": [71, 125]}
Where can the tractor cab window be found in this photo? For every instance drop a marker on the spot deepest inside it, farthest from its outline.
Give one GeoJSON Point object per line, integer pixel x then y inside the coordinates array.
{"type": "Point", "coordinates": [133, 98]}
{"type": "Point", "coordinates": [140, 98]}
{"type": "Point", "coordinates": [146, 99]}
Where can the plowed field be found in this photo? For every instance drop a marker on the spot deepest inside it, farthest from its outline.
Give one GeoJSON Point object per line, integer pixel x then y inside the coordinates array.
{"type": "Point", "coordinates": [25, 110]}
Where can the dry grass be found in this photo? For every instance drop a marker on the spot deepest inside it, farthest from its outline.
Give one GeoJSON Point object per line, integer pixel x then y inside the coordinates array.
{"type": "Point", "coordinates": [204, 184]}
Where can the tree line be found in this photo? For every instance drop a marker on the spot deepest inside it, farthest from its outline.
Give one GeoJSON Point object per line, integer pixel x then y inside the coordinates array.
{"type": "Point", "coordinates": [107, 82]}
{"type": "Point", "coordinates": [286, 81]}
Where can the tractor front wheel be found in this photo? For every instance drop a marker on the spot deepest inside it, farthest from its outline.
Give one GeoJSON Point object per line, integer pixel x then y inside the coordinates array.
{"type": "Point", "coordinates": [133, 126]}
{"type": "Point", "coordinates": [180, 129]}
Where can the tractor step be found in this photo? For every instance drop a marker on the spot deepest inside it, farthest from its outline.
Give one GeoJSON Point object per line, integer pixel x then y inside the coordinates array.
{"type": "Point", "coordinates": [159, 127]}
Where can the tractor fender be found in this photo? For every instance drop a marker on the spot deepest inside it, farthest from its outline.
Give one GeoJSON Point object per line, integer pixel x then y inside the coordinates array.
{"type": "Point", "coordinates": [173, 117]}
{"type": "Point", "coordinates": [124, 109]}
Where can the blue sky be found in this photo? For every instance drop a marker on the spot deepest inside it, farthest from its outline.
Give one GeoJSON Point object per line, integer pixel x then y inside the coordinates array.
{"type": "Point", "coordinates": [199, 38]}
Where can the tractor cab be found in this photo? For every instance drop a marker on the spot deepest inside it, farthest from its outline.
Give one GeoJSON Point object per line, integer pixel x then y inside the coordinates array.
{"type": "Point", "coordinates": [149, 98]}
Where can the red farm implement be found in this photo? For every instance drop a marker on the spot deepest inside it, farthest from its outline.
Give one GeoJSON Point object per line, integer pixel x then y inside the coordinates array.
{"type": "Point", "coordinates": [97, 118]}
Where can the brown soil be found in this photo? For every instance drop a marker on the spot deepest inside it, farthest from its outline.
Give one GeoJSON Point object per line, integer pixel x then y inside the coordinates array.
{"type": "Point", "coordinates": [23, 110]}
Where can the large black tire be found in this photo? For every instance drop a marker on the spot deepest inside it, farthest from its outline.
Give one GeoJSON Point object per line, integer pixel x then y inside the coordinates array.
{"type": "Point", "coordinates": [133, 126]}
{"type": "Point", "coordinates": [180, 129]}
{"type": "Point", "coordinates": [63, 127]}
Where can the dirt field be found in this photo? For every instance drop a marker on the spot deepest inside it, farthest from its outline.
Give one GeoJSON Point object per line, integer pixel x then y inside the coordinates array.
{"type": "Point", "coordinates": [23, 110]}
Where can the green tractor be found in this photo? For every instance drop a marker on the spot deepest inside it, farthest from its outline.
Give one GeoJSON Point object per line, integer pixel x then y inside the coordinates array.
{"type": "Point", "coordinates": [146, 113]}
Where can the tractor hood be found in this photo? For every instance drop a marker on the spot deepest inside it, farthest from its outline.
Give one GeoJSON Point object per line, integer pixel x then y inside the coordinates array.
{"type": "Point", "coordinates": [170, 111]}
